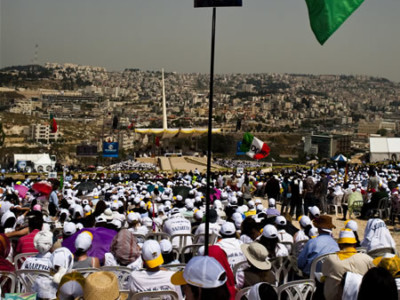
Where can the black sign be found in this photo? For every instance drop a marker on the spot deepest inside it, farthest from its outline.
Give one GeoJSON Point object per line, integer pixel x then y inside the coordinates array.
{"type": "Point", "coordinates": [86, 150]}
{"type": "Point", "coordinates": [217, 3]}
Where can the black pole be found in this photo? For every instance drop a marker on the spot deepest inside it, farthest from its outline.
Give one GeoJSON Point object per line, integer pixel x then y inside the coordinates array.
{"type": "Point", "coordinates": [210, 116]}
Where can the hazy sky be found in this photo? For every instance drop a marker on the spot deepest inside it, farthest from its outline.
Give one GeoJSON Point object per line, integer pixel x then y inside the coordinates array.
{"type": "Point", "coordinates": [262, 36]}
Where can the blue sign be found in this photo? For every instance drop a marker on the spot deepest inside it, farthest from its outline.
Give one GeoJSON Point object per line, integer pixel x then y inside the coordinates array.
{"type": "Point", "coordinates": [238, 151]}
{"type": "Point", "coordinates": [110, 149]}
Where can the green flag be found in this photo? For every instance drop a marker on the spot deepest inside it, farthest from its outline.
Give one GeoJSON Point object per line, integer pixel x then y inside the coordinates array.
{"type": "Point", "coordinates": [326, 16]}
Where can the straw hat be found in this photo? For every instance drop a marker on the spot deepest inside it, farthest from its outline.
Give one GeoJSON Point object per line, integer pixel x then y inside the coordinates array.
{"type": "Point", "coordinates": [101, 285]}
{"type": "Point", "coordinates": [257, 255]}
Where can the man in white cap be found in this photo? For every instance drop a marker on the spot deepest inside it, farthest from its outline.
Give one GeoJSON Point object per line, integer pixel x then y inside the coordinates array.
{"type": "Point", "coordinates": [230, 244]}
{"type": "Point", "coordinates": [154, 279]}
{"type": "Point", "coordinates": [270, 240]}
{"type": "Point", "coordinates": [283, 236]}
{"type": "Point", "coordinates": [272, 211]}
{"type": "Point", "coordinates": [177, 224]}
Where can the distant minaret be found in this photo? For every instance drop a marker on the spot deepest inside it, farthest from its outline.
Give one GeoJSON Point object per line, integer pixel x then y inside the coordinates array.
{"type": "Point", "coordinates": [165, 126]}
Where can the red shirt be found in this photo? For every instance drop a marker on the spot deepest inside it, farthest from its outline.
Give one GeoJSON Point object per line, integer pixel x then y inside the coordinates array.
{"type": "Point", "coordinates": [25, 243]}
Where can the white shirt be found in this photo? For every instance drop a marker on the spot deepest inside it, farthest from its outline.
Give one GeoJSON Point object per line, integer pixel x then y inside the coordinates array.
{"type": "Point", "coordinates": [178, 225]}
{"type": "Point", "coordinates": [214, 228]}
{"type": "Point", "coordinates": [39, 262]}
{"type": "Point", "coordinates": [285, 237]}
{"type": "Point", "coordinates": [145, 281]}
{"type": "Point", "coordinates": [234, 253]}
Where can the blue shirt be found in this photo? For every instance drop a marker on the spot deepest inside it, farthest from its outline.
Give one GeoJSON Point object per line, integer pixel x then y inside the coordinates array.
{"type": "Point", "coordinates": [318, 246]}
{"type": "Point", "coordinates": [54, 198]}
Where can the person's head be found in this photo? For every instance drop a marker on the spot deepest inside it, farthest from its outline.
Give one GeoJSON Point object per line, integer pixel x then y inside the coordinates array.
{"type": "Point", "coordinates": [202, 278]}
{"type": "Point", "coordinates": [280, 222]}
{"type": "Point", "coordinates": [390, 262]}
{"type": "Point", "coordinates": [122, 241]}
{"type": "Point", "coordinates": [101, 285]}
{"type": "Point", "coordinates": [35, 220]}
{"type": "Point", "coordinates": [324, 224]}
{"type": "Point", "coordinates": [346, 239]}
{"type": "Point", "coordinates": [100, 208]}
{"type": "Point", "coordinates": [166, 251]}
{"type": "Point", "coordinates": [314, 212]}
{"type": "Point", "coordinates": [269, 238]}
{"type": "Point", "coordinates": [257, 255]}
{"type": "Point", "coordinates": [71, 286]}
{"type": "Point", "coordinates": [83, 242]}
{"type": "Point", "coordinates": [378, 283]}
{"type": "Point", "coordinates": [151, 254]}
{"type": "Point", "coordinates": [249, 227]}
{"type": "Point", "coordinates": [228, 230]}
{"type": "Point", "coordinates": [43, 241]}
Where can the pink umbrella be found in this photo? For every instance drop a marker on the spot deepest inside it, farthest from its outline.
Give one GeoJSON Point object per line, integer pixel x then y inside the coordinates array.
{"type": "Point", "coordinates": [21, 189]}
{"type": "Point", "coordinates": [43, 187]}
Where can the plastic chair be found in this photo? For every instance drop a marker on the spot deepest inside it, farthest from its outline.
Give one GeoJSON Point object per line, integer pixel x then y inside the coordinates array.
{"type": "Point", "coordinates": [20, 258]}
{"type": "Point", "coordinates": [239, 266]}
{"type": "Point", "coordinates": [242, 292]}
{"type": "Point", "coordinates": [297, 290]}
{"type": "Point", "coordinates": [382, 209]}
{"type": "Point", "coordinates": [122, 274]}
{"type": "Point", "coordinates": [8, 282]}
{"type": "Point", "coordinates": [174, 266]}
{"type": "Point", "coordinates": [361, 250]}
{"type": "Point", "coordinates": [316, 264]}
{"type": "Point", "coordinates": [380, 251]}
{"type": "Point", "coordinates": [188, 252]}
{"type": "Point", "coordinates": [158, 236]}
{"type": "Point", "coordinates": [199, 238]}
{"type": "Point", "coordinates": [355, 208]}
{"type": "Point", "coordinates": [289, 246]}
{"type": "Point", "coordinates": [184, 239]}
{"type": "Point", "coordinates": [140, 237]}
{"type": "Point", "coordinates": [26, 279]}
{"type": "Point", "coordinates": [86, 271]}
{"type": "Point", "coordinates": [156, 295]}
{"type": "Point", "coordinates": [285, 269]}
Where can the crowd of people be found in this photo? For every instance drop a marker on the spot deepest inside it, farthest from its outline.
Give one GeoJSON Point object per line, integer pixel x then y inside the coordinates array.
{"type": "Point", "coordinates": [144, 225]}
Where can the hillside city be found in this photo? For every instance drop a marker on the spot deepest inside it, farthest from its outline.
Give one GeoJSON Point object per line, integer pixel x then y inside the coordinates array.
{"type": "Point", "coordinates": [279, 108]}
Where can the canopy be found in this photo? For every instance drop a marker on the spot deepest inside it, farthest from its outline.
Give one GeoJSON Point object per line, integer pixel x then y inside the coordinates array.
{"type": "Point", "coordinates": [340, 157]}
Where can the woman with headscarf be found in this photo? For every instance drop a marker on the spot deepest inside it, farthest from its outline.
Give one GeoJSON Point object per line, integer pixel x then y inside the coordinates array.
{"type": "Point", "coordinates": [124, 251]}
{"type": "Point", "coordinates": [43, 242]}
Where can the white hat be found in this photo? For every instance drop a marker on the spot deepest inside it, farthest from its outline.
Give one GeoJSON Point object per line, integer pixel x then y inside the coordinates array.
{"type": "Point", "coordinates": [280, 220]}
{"type": "Point", "coordinates": [199, 215]}
{"type": "Point", "coordinates": [7, 215]}
{"type": "Point", "coordinates": [217, 204]}
{"type": "Point", "coordinates": [314, 210]}
{"type": "Point", "coordinates": [179, 198]}
{"type": "Point", "coordinates": [151, 254]}
{"type": "Point", "coordinates": [43, 241]}
{"type": "Point", "coordinates": [271, 202]}
{"type": "Point", "coordinates": [304, 221]}
{"type": "Point", "coordinates": [201, 271]}
{"type": "Point", "coordinates": [69, 228]}
{"type": "Point", "coordinates": [351, 224]}
{"type": "Point", "coordinates": [257, 201]}
{"type": "Point", "coordinates": [174, 211]}
{"type": "Point", "coordinates": [251, 204]}
{"type": "Point", "coordinates": [260, 207]}
{"type": "Point", "coordinates": [270, 231]}
{"type": "Point", "coordinates": [166, 246]}
{"type": "Point", "coordinates": [132, 216]}
{"type": "Point", "coordinates": [84, 241]}
{"type": "Point", "coordinates": [228, 228]}
{"type": "Point", "coordinates": [101, 219]}
{"type": "Point", "coordinates": [116, 223]}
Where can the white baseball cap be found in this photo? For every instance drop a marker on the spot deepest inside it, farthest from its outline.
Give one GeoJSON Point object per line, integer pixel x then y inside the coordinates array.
{"type": "Point", "coordinates": [271, 202]}
{"type": "Point", "coordinates": [228, 228]}
{"type": "Point", "coordinates": [351, 224]}
{"type": "Point", "coordinates": [201, 271]}
{"type": "Point", "coordinates": [166, 246]}
{"type": "Point", "coordinates": [151, 254]}
{"type": "Point", "coordinates": [199, 215]}
{"type": "Point", "coordinates": [304, 221]}
{"type": "Point", "coordinates": [270, 231]}
{"type": "Point", "coordinates": [69, 228]}
{"type": "Point", "coordinates": [132, 216]}
{"type": "Point", "coordinates": [280, 220]}
{"type": "Point", "coordinates": [84, 241]}
{"type": "Point", "coordinates": [314, 210]}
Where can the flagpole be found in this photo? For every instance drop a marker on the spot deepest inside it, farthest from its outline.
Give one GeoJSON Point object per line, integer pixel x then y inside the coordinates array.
{"type": "Point", "coordinates": [210, 116]}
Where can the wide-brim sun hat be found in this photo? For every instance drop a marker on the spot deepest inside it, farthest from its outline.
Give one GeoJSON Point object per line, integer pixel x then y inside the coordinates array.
{"type": "Point", "coordinates": [257, 255]}
{"type": "Point", "coordinates": [324, 222]}
{"type": "Point", "coordinates": [101, 285]}
{"type": "Point", "coordinates": [346, 236]}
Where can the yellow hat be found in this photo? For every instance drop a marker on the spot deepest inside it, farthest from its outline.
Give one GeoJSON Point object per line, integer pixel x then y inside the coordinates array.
{"type": "Point", "coordinates": [390, 263]}
{"type": "Point", "coordinates": [346, 236]}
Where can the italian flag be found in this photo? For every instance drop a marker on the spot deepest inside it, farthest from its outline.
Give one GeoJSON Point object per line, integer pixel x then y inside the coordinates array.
{"type": "Point", "coordinates": [254, 147]}
{"type": "Point", "coordinates": [53, 124]}
{"type": "Point", "coordinates": [326, 16]}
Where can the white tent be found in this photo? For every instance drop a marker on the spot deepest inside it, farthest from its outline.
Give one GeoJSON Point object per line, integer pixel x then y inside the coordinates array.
{"type": "Point", "coordinates": [383, 148]}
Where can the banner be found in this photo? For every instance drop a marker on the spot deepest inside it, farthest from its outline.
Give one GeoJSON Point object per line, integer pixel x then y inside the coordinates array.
{"type": "Point", "coordinates": [110, 149]}
{"type": "Point", "coordinates": [217, 3]}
